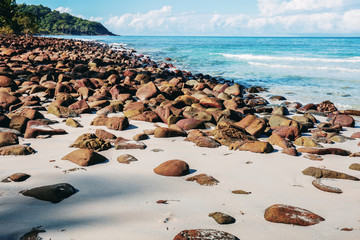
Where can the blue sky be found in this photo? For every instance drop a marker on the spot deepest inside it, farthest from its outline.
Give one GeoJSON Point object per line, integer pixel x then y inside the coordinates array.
{"type": "Point", "coordinates": [218, 18]}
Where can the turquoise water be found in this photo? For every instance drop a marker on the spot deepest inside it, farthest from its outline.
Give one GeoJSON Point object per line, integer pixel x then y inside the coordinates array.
{"type": "Point", "coordinates": [309, 70]}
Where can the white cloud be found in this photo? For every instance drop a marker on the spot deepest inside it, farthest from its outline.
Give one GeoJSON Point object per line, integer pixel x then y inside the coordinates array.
{"type": "Point", "coordinates": [96, 19]}
{"type": "Point", "coordinates": [64, 9]}
{"type": "Point", "coordinates": [276, 17]}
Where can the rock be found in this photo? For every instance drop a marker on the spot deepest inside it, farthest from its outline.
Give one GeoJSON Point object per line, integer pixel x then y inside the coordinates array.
{"type": "Point", "coordinates": [227, 133]}
{"type": "Point", "coordinates": [357, 154]}
{"type": "Point", "coordinates": [211, 102]}
{"type": "Point", "coordinates": [355, 166]}
{"type": "Point", "coordinates": [31, 114]}
{"type": "Point", "coordinates": [85, 157]}
{"type": "Point", "coordinates": [204, 234]}
{"type": "Point", "coordinates": [36, 128]}
{"type": "Point", "coordinates": [190, 123]}
{"type": "Point", "coordinates": [147, 91]}
{"type": "Point", "coordinates": [279, 120]}
{"type": "Point", "coordinates": [324, 151]}
{"type": "Point", "coordinates": [99, 121]}
{"type": "Point", "coordinates": [6, 100]}
{"type": "Point", "coordinates": [201, 140]}
{"type": "Point", "coordinates": [18, 123]}
{"type": "Point", "coordinates": [8, 138]}
{"type": "Point", "coordinates": [51, 193]}
{"type": "Point", "coordinates": [344, 120]}
{"type": "Point", "coordinates": [148, 116]}
{"type": "Point", "coordinates": [277, 98]}
{"type": "Point", "coordinates": [280, 213]}
{"type": "Point", "coordinates": [91, 141]}
{"type": "Point", "coordinates": [19, 177]}
{"type": "Point", "coordinates": [222, 218]}
{"type": "Point", "coordinates": [117, 123]}
{"type": "Point", "coordinates": [126, 158]}
{"type": "Point", "coordinates": [61, 111]}
{"type": "Point", "coordinates": [72, 123]}
{"type": "Point", "coordinates": [198, 114]}
{"type": "Point", "coordinates": [125, 144]}
{"type": "Point", "coordinates": [240, 192]}
{"type": "Point", "coordinates": [140, 136]}
{"type": "Point", "coordinates": [326, 107]}
{"type": "Point", "coordinates": [355, 135]}
{"type": "Point", "coordinates": [281, 111]}
{"type": "Point", "coordinates": [289, 132]}
{"type": "Point", "coordinates": [252, 146]}
{"type": "Point", "coordinates": [80, 107]}
{"type": "Point", "coordinates": [33, 234]}
{"type": "Point", "coordinates": [304, 121]}
{"type": "Point", "coordinates": [104, 135]}
{"type": "Point", "coordinates": [162, 132]}
{"type": "Point", "coordinates": [16, 150]}
{"type": "Point", "coordinates": [235, 89]}
{"type": "Point", "coordinates": [306, 142]}
{"type": "Point", "coordinates": [327, 127]}
{"type": "Point", "coordinates": [313, 157]}
{"type": "Point", "coordinates": [325, 173]}
{"type": "Point", "coordinates": [203, 179]}
{"type": "Point", "coordinates": [252, 125]}
{"type": "Point", "coordinates": [175, 168]}
{"type": "Point", "coordinates": [276, 139]}
{"type": "Point", "coordinates": [290, 151]}
{"type": "Point", "coordinates": [4, 121]}
{"type": "Point", "coordinates": [319, 185]}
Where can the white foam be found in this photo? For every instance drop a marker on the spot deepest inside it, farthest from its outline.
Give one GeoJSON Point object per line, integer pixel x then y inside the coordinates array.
{"type": "Point", "coordinates": [250, 57]}
{"type": "Point", "coordinates": [304, 67]}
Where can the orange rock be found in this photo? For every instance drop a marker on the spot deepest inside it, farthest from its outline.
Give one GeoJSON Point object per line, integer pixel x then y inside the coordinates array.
{"type": "Point", "coordinates": [175, 168]}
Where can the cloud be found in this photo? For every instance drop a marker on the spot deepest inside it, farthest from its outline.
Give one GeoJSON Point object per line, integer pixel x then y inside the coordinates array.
{"type": "Point", "coordinates": [276, 17]}
{"type": "Point", "coordinates": [64, 9]}
{"type": "Point", "coordinates": [95, 19]}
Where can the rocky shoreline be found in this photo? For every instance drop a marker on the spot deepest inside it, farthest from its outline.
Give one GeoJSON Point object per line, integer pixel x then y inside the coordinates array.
{"type": "Point", "coordinates": [49, 86]}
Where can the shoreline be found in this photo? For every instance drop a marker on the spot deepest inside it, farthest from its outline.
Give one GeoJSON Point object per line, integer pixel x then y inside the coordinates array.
{"type": "Point", "coordinates": [242, 140]}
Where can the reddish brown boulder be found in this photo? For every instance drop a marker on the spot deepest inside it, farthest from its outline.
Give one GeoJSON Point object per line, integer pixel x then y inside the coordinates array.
{"type": "Point", "coordinates": [201, 140]}
{"type": "Point", "coordinates": [104, 135]}
{"type": "Point", "coordinates": [85, 157]}
{"type": "Point", "coordinates": [6, 82]}
{"type": "Point", "coordinates": [18, 123]}
{"type": "Point", "coordinates": [325, 151]}
{"type": "Point", "coordinates": [19, 177]}
{"type": "Point", "coordinates": [252, 146]}
{"type": "Point", "coordinates": [211, 102]}
{"type": "Point", "coordinates": [6, 100]}
{"type": "Point", "coordinates": [8, 138]}
{"type": "Point", "coordinates": [280, 213]}
{"type": "Point", "coordinates": [147, 116]}
{"type": "Point", "coordinates": [162, 132]}
{"type": "Point", "coordinates": [204, 234]}
{"type": "Point", "coordinates": [175, 168]}
{"type": "Point", "coordinates": [117, 123]}
{"type": "Point", "coordinates": [325, 173]}
{"type": "Point", "coordinates": [190, 123]}
{"type": "Point", "coordinates": [16, 150]}
{"type": "Point", "coordinates": [31, 114]}
{"type": "Point", "coordinates": [276, 139]}
{"type": "Point", "coordinates": [319, 185]}
{"type": "Point", "coordinates": [4, 121]}
{"type": "Point", "coordinates": [355, 135]}
{"type": "Point", "coordinates": [289, 132]}
{"type": "Point", "coordinates": [252, 125]}
{"type": "Point", "coordinates": [344, 120]}
{"type": "Point", "coordinates": [36, 128]}
{"type": "Point", "coordinates": [326, 107]}
{"type": "Point", "coordinates": [80, 106]}
{"type": "Point", "coordinates": [126, 144]}
{"type": "Point", "coordinates": [222, 218]}
{"type": "Point", "coordinates": [203, 179]}
{"type": "Point", "coordinates": [147, 91]}
{"type": "Point", "coordinates": [290, 151]}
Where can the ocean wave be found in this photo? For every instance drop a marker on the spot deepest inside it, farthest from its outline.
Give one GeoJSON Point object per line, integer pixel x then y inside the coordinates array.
{"type": "Point", "coordinates": [250, 57]}
{"type": "Point", "coordinates": [341, 69]}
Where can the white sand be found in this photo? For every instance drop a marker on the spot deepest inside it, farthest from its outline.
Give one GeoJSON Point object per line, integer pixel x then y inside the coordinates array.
{"type": "Point", "coordinates": [118, 201]}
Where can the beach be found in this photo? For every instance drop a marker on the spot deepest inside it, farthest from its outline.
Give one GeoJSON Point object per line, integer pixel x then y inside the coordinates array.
{"type": "Point", "coordinates": [247, 142]}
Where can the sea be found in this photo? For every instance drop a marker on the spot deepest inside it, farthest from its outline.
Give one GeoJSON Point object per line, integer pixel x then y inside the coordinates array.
{"type": "Point", "coordinates": [302, 69]}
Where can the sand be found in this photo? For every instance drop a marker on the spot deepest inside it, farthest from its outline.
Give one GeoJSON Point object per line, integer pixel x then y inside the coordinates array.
{"type": "Point", "coordinates": [118, 201]}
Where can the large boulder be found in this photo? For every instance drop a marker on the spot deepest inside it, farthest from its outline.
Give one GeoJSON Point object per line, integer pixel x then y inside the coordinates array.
{"type": "Point", "coordinates": [117, 123]}
{"type": "Point", "coordinates": [162, 132]}
{"type": "Point", "coordinates": [204, 234]}
{"type": "Point", "coordinates": [91, 141]}
{"type": "Point", "coordinates": [6, 100]}
{"type": "Point", "coordinates": [85, 157]}
{"type": "Point", "coordinates": [325, 173]}
{"type": "Point", "coordinates": [222, 218]}
{"type": "Point", "coordinates": [252, 125]}
{"type": "Point", "coordinates": [16, 150]}
{"type": "Point", "coordinates": [280, 213]}
{"type": "Point", "coordinates": [190, 123]}
{"type": "Point", "coordinates": [289, 132]}
{"type": "Point", "coordinates": [227, 133]}
{"type": "Point", "coordinates": [279, 120]}
{"type": "Point", "coordinates": [36, 128]}
{"type": "Point", "coordinates": [51, 193]}
{"type": "Point", "coordinates": [174, 168]}
{"type": "Point", "coordinates": [276, 139]}
{"type": "Point", "coordinates": [325, 151]}
{"type": "Point", "coordinates": [147, 91]}
{"type": "Point", "coordinates": [201, 140]}
{"type": "Point", "coordinates": [252, 146]}
{"type": "Point", "coordinates": [344, 120]}
{"type": "Point", "coordinates": [8, 138]}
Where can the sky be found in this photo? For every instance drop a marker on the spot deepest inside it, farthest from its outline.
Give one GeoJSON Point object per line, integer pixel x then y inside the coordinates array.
{"type": "Point", "coordinates": [217, 18]}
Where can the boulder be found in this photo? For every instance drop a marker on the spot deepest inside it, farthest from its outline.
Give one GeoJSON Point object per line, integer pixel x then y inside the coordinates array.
{"type": "Point", "coordinates": [147, 91]}
{"type": "Point", "coordinates": [19, 177]}
{"type": "Point", "coordinates": [140, 137]}
{"type": "Point", "coordinates": [198, 114]}
{"type": "Point", "coordinates": [325, 173]}
{"type": "Point", "coordinates": [325, 151]}
{"type": "Point", "coordinates": [51, 193]}
{"type": "Point", "coordinates": [126, 144]}
{"type": "Point", "coordinates": [162, 132]}
{"type": "Point", "coordinates": [174, 168]}
{"type": "Point", "coordinates": [190, 123]}
{"type": "Point", "coordinates": [227, 133]}
{"type": "Point", "coordinates": [289, 132]}
{"type": "Point", "coordinates": [222, 218]}
{"type": "Point", "coordinates": [16, 150]}
{"type": "Point", "coordinates": [355, 135]}
{"type": "Point", "coordinates": [203, 179]}
{"type": "Point", "coordinates": [61, 111]}
{"type": "Point", "coordinates": [117, 123]}
{"type": "Point", "coordinates": [126, 158]}
{"type": "Point", "coordinates": [204, 234]}
{"type": "Point", "coordinates": [211, 102]}
{"type": "Point", "coordinates": [306, 142]}
{"type": "Point", "coordinates": [6, 100]}
{"type": "Point", "coordinates": [355, 166]}
{"type": "Point", "coordinates": [18, 123]}
{"type": "Point", "coordinates": [290, 151]}
{"type": "Point", "coordinates": [8, 138]}
{"type": "Point", "coordinates": [72, 123]}
{"type": "Point", "coordinates": [252, 125]}
{"type": "Point", "coordinates": [235, 89]}
{"type": "Point", "coordinates": [104, 135]}
{"type": "Point", "coordinates": [326, 107]}
{"type": "Point", "coordinates": [281, 111]}
{"type": "Point", "coordinates": [343, 119]}
{"type": "Point", "coordinates": [276, 139]}
{"type": "Point", "coordinates": [91, 141]}
{"type": "Point", "coordinates": [85, 157]}
{"type": "Point", "coordinates": [36, 128]}
{"type": "Point", "coordinates": [280, 213]}
{"type": "Point", "coordinates": [319, 185]}
{"type": "Point", "coordinates": [279, 120]}
{"type": "Point", "coordinates": [252, 146]}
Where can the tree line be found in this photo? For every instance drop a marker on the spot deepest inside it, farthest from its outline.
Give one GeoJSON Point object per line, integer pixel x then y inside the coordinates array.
{"type": "Point", "coordinates": [37, 19]}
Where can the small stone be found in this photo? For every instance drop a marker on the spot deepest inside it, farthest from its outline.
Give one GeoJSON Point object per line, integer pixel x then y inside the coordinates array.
{"type": "Point", "coordinates": [325, 173]}
{"type": "Point", "coordinates": [319, 185]}
{"type": "Point", "coordinates": [162, 132]}
{"type": "Point", "coordinates": [140, 136]}
{"type": "Point", "coordinates": [19, 177]}
{"type": "Point", "coordinates": [126, 158]}
{"type": "Point", "coordinates": [8, 138]}
{"type": "Point", "coordinates": [33, 234]}
{"type": "Point", "coordinates": [222, 218]}
{"type": "Point", "coordinates": [129, 145]}
{"type": "Point", "coordinates": [203, 179]}
{"type": "Point", "coordinates": [313, 157]}
{"type": "Point", "coordinates": [240, 192]}
{"type": "Point", "coordinates": [175, 168]}
{"type": "Point", "coordinates": [16, 150]}
{"type": "Point", "coordinates": [52, 193]}
{"type": "Point", "coordinates": [204, 234]}
{"type": "Point", "coordinates": [252, 146]}
{"type": "Point", "coordinates": [117, 123]}
{"type": "Point", "coordinates": [355, 166]}
{"type": "Point", "coordinates": [324, 151]}
{"type": "Point", "coordinates": [104, 135]}
{"type": "Point", "coordinates": [72, 123]}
